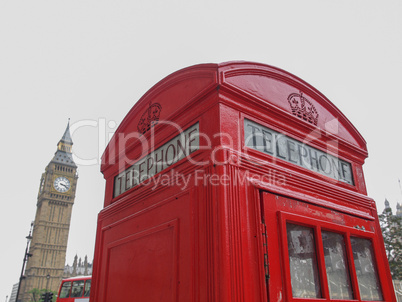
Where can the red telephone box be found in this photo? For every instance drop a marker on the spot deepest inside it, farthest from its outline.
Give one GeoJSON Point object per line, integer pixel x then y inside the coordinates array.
{"type": "Point", "coordinates": [237, 182]}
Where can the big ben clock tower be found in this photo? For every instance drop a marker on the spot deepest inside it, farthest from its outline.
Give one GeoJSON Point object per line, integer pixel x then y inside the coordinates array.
{"type": "Point", "coordinates": [52, 222]}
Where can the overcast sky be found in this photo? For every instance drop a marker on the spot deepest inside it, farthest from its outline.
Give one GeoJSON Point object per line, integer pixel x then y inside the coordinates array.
{"type": "Point", "coordinates": [92, 60]}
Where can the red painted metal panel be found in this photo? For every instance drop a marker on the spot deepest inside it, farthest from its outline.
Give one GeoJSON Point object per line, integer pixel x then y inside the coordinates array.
{"type": "Point", "coordinates": [133, 267]}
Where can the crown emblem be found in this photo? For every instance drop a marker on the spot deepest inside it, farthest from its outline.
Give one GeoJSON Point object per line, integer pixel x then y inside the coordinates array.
{"type": "Point", "coordinates": [303, 108]}
{"type": "Point", "coordinates": [149, 118]}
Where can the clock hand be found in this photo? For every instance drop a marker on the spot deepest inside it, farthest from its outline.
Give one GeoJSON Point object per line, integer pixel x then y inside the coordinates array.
{"type": "Point", "coordinates": [63, 185]}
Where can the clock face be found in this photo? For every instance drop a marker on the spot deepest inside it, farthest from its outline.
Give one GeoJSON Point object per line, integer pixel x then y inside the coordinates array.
{"type": "Point", "coordinates": [61, 184]}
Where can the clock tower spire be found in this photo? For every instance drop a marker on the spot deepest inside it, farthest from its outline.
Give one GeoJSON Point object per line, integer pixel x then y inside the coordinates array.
{"type": "Point", "coordinates": [52, 221]}
{"type": "Point", "coordinates": [64, 154]}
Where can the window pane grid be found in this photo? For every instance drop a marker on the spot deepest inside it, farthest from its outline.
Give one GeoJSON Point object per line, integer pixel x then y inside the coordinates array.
{"type": "Point", "coordinates": [65, 290]}
{"type": "Point", "coordinates": [303, 262]}
{"type": "Point", "coordinates": [87, 290]}
{"type": "Point", "coordinates": [330, 270]}
{"type": "Point", "coordinates": [366, 269]}
{"type": "Point", "coordinates": [336, 266]}
{"type": "Point", "coordinates": [77, 289]}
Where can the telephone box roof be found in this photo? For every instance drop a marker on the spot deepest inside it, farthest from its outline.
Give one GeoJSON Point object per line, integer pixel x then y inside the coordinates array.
{"type": "Point", "coordinates": [255, 82]}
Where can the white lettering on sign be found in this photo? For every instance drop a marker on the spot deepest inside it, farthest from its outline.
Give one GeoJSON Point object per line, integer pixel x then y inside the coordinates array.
{"type": "Point", "coordinates": [293, 151]}
{"type": "Point", "coordinates": [162, 158]}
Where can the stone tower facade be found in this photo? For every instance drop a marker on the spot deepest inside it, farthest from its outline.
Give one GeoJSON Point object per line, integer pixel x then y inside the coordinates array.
{"type": "Point", "coordinates": [56, 195]}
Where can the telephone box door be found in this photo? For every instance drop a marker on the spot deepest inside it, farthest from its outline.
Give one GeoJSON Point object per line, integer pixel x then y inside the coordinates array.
{"type": "Point", "coordinates": [316, 253]}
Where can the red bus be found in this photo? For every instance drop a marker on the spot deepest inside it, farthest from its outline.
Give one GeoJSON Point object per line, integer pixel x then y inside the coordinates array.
{"type": "Point", "coordinates": [75, 289]}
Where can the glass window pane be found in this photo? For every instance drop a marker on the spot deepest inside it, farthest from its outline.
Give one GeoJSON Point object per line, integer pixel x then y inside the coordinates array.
{"type": "Point", "coordinates": [303, 262]}
{"type": "Point", "coordinates": [87, 288]}
{"type": "Point", "coordinates": [366, 269]}
{"type": "Point", "coordinates": [336, 266]}
{"type": "Point", "coordinates": [78, 288]}
{"type": "Point", "coordinates": [65, 290]}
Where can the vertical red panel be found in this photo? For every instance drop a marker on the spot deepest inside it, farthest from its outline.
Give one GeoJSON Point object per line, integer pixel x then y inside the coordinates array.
{"type": "Point", "coordinates": [141, 264]}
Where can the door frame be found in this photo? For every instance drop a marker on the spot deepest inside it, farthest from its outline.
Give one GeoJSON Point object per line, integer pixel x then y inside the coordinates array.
{"type": "Point", "coordinates": [276, 210]}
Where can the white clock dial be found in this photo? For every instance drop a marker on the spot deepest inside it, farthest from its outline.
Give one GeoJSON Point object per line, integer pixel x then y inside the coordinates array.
{"type": "Point", "coordinates": [61, 184]}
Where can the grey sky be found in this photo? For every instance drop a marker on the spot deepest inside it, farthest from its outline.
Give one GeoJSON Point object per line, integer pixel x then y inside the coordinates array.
{"type": "Point", "coordinates": [92, 60]}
